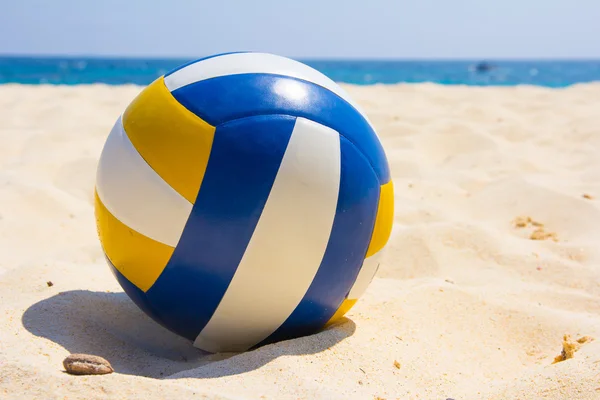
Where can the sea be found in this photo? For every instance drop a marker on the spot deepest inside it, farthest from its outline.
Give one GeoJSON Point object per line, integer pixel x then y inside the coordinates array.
{"type": "Point", "coordinates": [138, 71]}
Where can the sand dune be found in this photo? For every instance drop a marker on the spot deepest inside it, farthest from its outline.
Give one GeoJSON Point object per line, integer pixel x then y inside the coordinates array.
{"type": "Point", "coordinates": [494, 257]}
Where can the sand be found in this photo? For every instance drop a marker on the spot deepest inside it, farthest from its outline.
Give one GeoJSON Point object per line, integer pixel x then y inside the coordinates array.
{"type": "Point", "coordinates": [493, 259]}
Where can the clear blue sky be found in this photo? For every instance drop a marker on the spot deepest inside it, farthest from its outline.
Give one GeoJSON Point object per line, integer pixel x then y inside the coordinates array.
{"type": "Point", "coordinates": [304, 28]}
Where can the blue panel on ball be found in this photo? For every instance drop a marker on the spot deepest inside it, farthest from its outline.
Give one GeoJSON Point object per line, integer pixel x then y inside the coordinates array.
{"type": "Point", "coordinates": [225, 98]}
{"type": "Point", "coordinates": [244, 160]}
{"type": "Point", "coordinates": [350, 237]}
{"type": "Point", "coordinates": [134, 293]}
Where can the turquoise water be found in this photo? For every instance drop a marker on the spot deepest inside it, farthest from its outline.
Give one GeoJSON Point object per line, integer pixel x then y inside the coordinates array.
{"type": "Point", "coordinates": [114, 71]}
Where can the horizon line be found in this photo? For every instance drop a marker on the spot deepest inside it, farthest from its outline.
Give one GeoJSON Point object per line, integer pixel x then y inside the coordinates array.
{"type": "Point", "coordinates": [305, 58]}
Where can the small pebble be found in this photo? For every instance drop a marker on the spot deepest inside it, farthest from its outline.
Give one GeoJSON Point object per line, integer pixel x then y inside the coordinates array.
{"type": "Point", "coordinates": [49, 283]}
{"type": "Point", "coordinates": [85, 364]}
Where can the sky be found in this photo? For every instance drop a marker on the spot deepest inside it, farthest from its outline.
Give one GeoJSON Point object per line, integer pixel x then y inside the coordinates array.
{"type": "Point", "coordinates": [334, 29]}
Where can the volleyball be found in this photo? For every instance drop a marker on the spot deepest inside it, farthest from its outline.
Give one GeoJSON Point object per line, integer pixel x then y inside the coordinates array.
{"type": "Point", "coordinates": [243, 199]}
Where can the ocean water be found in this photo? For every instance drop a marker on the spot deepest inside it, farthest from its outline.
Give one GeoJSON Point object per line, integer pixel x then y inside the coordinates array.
{"type": "Point", "coordinates": [113, 71]}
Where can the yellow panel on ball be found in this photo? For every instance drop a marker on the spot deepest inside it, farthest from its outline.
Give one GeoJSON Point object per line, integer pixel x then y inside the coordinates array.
{"type": "Point", "coordinates": [381, 234]}
{"type": "Point", "coordinates": [385, 219]}
{"type": "Point", "coordinates": [140, 259]}
{"type": "Point", "coordinates": [343, 309]}
{"type": "Point", "coordinates": [175, 142]}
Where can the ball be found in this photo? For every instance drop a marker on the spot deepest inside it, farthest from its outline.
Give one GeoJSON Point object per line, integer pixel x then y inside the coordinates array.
{"type": "Point", "coordinates": [243, 199]}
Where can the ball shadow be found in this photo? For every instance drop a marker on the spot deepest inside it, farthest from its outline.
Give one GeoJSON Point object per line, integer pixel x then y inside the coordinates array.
{"type": "Point", "coordinates": [111, 326]}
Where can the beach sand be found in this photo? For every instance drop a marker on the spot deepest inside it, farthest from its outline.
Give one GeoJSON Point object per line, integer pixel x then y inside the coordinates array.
{"type": "Point", "coordinates": [494, 257]}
